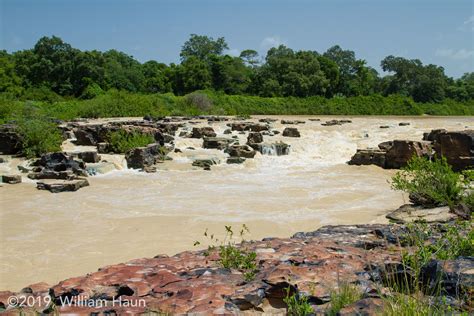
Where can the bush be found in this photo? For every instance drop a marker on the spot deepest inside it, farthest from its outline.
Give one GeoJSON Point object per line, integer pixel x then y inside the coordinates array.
{"type": "Point", "coordinates": [344, 296]}
{"type": "Point", "coordinates": [297, 305]}
{"type": "Point", "coordinates": [200, 101]}
{"type": "Point", "coordinates": [39, 136]}
{"type": "Point", "coordinates": [433, 182]}
{"type": "Point", "coordinates": [123, 141]}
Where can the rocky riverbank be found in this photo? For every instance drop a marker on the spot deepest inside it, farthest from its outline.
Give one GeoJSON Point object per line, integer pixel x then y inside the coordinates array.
{"type": "Point", "coordinates": [312, 264]}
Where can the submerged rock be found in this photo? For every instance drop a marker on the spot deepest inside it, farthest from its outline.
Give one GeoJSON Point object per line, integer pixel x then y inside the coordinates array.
{"type": "Point", "coordinates": [205, 163]}
{"type": "Point", "coordinates": [235, 160]}
{"type": "Point", "coordinates": [335, 122]}
{"type": "Point", "coordinates": [10, 179]}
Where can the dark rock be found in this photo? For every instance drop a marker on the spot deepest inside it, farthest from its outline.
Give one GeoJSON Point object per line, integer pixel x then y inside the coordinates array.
{"type": "Point", "coordinates": [200, 132]}
{"type": "Point", "coordinates": [177, 150]}
{"type": "Point", "coordinates": [216, 142]}
{"type": "Point", "coordinates": [434, 134]}
{"type": "Point", "coordinates": [227, 131]}
{"type": "Point", "coordinates": [335, 122]}
{"type": "Point", "coordinates": [89, 156]}
{"type": "Point", "coordinates": [457, 147]}
{"type": "Point", "coordinates": [141, 157]}
{"type": "Point", "coordinates": [314, 119]}
{"type": "Point", "coordinates": [51, 174]}
{"type": "Point", "coordinates": [290, 122]}
{"type": "Point", "coordinates": [11, 179]}
{"type": "Point", "coordinates": [103, 148]}
{"type": "Point", "coordinates": [62, 186]}
{"type": "Point", "coordinates": [59, 161]}
{"type": "Point", "coordinates": [10, 140]}
{"type": "Point", "coordinates": [205, 163]}
{"type": "Point", "coordinates": [368, 157]}
{"type": "Point", "coordinates": [241, 151]}
{"type": "Point", "coordinates": [235, 160]}
{"type": "Point", "coordinates": [291, 132]}
{"type": "Point", "coordinates": [462, 210]}
{"type": "Point", "coordinates": [385, 146]}
{"type": "Point", "coordinates": [403, 124]}
{"type": "Point", "coordinates": [384, 126]}
{"type": "Point", "coordinates": [254, 138]}
{"type": "Point", "coordinates": [257, 127]}
{"type": "Point", "coordinates": [267, 120]}
{"type": "Point", "coordinates": [403, 150]}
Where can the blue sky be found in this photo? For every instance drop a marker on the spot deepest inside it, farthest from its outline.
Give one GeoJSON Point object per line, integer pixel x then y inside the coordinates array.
{"type": "Point", "coordinates": [439, 32]}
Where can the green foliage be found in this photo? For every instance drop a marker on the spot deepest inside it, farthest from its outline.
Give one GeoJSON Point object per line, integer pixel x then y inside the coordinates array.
{"type": "Point", "coordinates": [122, 141]}
{"type": "Point", "coordinates": [434, 181]}
{"type": "Point", "coordinates": [297, 305]}
{"type": "Point", "coordinates": [230, 255]}
{"type": "Point", "coordinates": [202, 47]}
{"type": "Point", "coordinates": [39, 136]}
{"type": "Point", "coordinates": [199, 100]}
{"type": "Point", "coordinates": [345, 295]}
{"type": "Point", "coordinates": [398, 304]}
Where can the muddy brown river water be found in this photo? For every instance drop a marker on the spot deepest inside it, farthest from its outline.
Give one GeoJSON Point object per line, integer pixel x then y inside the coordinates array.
{"type": "Point", "coordinates": [126, 214]}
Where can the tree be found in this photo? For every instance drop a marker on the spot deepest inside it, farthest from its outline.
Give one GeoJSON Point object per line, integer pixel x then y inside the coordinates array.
{"type": "Point", "coordinates": [229, 74]}
{"type": "Point", "coordinates": [123, 72]}
{"type": "Point", "coordinates": [155, 77]}
{"type": "Point", "coordinates": [202, 47]}
{"type": "Point", "coordinates": [193, 74]}
{"type": "Point", "coordinates": [9, 80]}
{"type": "Point", "coordinates": [250, 57]}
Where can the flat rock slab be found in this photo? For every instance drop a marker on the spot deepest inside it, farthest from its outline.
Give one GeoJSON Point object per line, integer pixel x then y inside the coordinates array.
{"type": "Point", "coordinates": [409, 214]}
{"type": "Point", "coordinates": [62, 185]}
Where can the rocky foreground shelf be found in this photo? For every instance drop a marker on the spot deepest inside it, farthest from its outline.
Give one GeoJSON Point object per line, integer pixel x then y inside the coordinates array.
{"type": "Point", "coordinates": [312, 264]}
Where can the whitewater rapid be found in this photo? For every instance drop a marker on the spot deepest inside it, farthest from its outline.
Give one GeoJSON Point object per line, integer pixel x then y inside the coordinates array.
{"type": "Point", "coordinates": [127, 214]}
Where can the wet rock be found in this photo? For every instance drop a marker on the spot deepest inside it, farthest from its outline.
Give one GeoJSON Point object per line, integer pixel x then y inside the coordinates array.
{"type": "Point", "coordinates": [247, 126]}
{"type": "Point", "coordinates": [51, 174]}
{"type": "Point", "coordinates": [291, 132]}
{"type": "Point", "coordinates": [368, 157]}
{"type": "Point", "coordinates": [403, 124]}
{"type": "Point", "coordinates": [409, 213]}
{"type": "Point", "coordinates": [384, 126]}
{"type": "Point", "coordinates": [205, 163]}
{"type": "Point", "coordinates": [244, 151]}
{"type": "Point", "coordinates": [217, 142]}
{"type": "Point", "coordinates": [290, 122]}
{"type": "Point", "coordinates": [254, 138]}
{"type": "Point", "coordinates": [402, 151]}
{"type": "Point", "coordinates": [267, 120]}
{"type": "Point", "coordinates": [257, 127]}
{"type": "Point", "coordinates": [200, 132]}
{"type": "Point", "coordinates": [227, 131]}
{"type": "Point", "coordinates": [235, 160]}
{"type": "Point", "coordinates": [10, 140]}
{"type": "Point", "coordinates": [62, 185]}
{"type": "Point", "coordinates": [11, 179]}
{"type": "Point", "coordinates": [100, 168]}
{"type": "Point", "coordinates": [89, 156]}
{"type": "Point", "coordinates": [314, 119]}
{"type": "Point", "coordinates": [103, 148]}
{"type": "Point", "coordinates": [335, 122]}
{"type": "Point", "coordinates": [457, 147]}
{"type": "Point", "coordinates": [141, 157]}
{"type": "Point", "coordinates": [58, 162]}
{"type": "Point", "coordinates": [385, 146]}
{"type": "Point", "coordinates": [434, 134]}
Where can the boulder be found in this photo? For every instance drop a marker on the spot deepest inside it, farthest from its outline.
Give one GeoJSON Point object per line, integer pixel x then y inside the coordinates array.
{"type": "Point", "coordinates": [254, 138]}
{"type": "Point", "coordinates": [59, 161]}
{"type": "Point", "coordinates": [10, 140]}
{"type": "Point", "coordinates": [457, 147]}
{"type": "Point", "coordinates": [456, 277]}
{"type": "Point", "coordinates": [257, 127]}
{"type": "Point", "coordinates": [433, 135]}
{"type": "Point", "coordinates": [62, 185]}
{"type": "Point", "coordinates": [200, 132]}
{"type": "Point", "coordinates": [227, 131]}
{"type": "Point", "coordinates": [141, 157]}
{"type": "Point", "coordinates": [409, 213]}
{"type": "Point", "coordinates": [89, 156]}
{"type": "Point", "coordinates": [402, 151]}
{"type": "Point", "coordinates": [235, 160]}
{"type": "Point", "coordinates": [11, 179]}
{"type": "Point", "coordinates": [247, 126]}
{"type": "Point", "coordinates": [216, 142]}
{"type": "Point", "coordinates": [368, 157]}
{"type": "Point", "coordinates": [51, 174]}
{"type": "Point", "coordinates": [244, 151]}
{"type": "Point", "coordinates": [385, 146]}
{"type": "Point", "coordinates": [205, 163]}
{"type": "Point", "coordinates": [291, 132]}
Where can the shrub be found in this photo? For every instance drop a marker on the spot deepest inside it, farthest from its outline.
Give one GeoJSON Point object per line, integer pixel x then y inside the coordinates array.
{"type": "Point", "coordinates": [39, 136]}
{"type": "Point", "coordinates": [431, 181]}
{"type": "Point", "coordinates": [231, 256]}
{"type": "Point", "coordinates": [297, 305]}
{"type": "Point", "coordinates": [344, 296]}
{"type": "Point", "coordinates": [122, 141]}
{"type": "Point", "coordinates": [199, 100]}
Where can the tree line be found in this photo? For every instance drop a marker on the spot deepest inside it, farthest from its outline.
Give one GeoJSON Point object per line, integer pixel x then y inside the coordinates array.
{"type": "Point", "coordinates": [54, 69]}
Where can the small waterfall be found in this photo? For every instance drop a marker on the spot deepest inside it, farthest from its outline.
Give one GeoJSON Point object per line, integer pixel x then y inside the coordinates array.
{"type": "Point", "coordinates": [275, 149]}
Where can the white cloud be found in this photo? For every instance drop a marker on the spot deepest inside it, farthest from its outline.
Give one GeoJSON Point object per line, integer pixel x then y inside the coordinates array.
{"type": "Point", "coordinates": [455, 54]}
{"type": "Point", "coordinates": [467, 25]}
{"type": "Point", "coordinates": [271, 41]}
